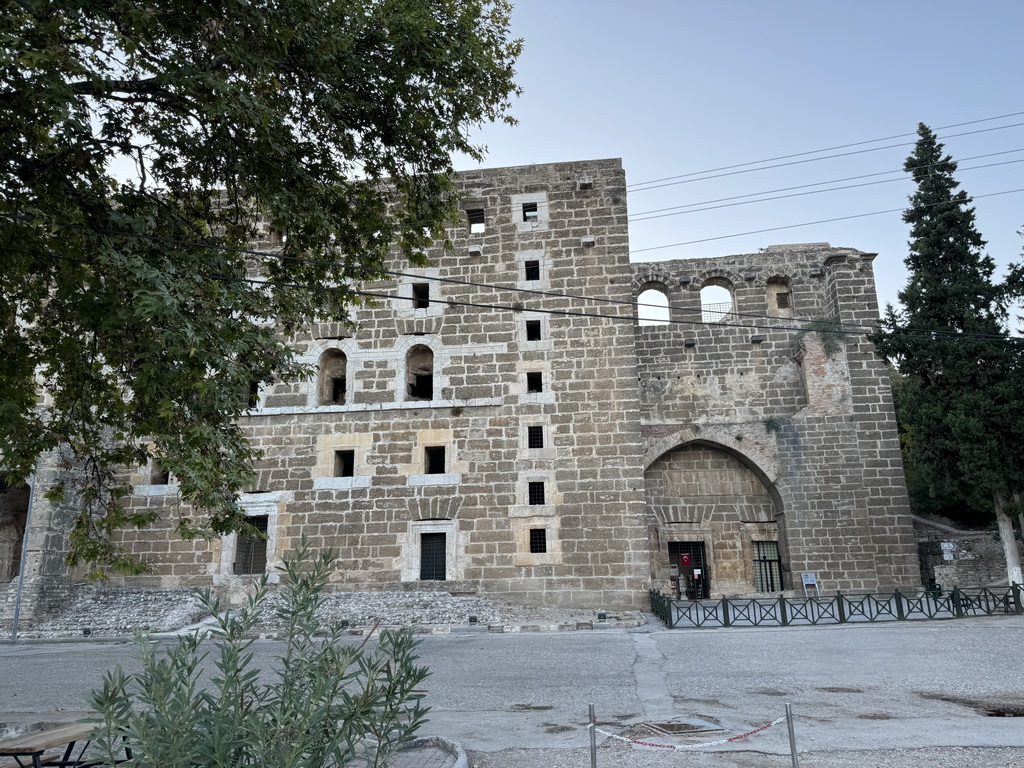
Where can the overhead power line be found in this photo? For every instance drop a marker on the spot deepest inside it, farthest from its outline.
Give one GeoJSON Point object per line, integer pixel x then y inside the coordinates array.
{"type": "Point", "coordinates": [685, 179]}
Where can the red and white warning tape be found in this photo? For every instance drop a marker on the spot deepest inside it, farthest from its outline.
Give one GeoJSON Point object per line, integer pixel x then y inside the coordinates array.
{"type": "Point", "coordinates": [689, 746]}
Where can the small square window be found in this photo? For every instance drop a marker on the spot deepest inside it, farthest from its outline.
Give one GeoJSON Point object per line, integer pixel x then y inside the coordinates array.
{"type": "Point", "coordinates": [782, 300]}
{"type": "Point", "coordinates": [158, 475]}
{"type": "Point", "coordinates": [533, 330]}
{"type": "Point", "coordinates": [421, 295]}
{"type": "Point", "coordinates": [345, 463]}
{"type": "Point", "coordinates": [535, 437]}
{"type": "Point", "coordinates": [534, 381]}
{"type": "Point", "coordinates": [530, 212]}
{"type": "Point", "coordinates": [536, 493]}
{"type": "Point", "coordinates": [338, 387]}
{"type": "Point", "coordinates": [531, 270]}
{"type": "Point", "coordinates": [538, 541]}
{"type": "Point", "coordinates": [434, 460]}
{"type": "Point", "coordinates": [422, 387]}
{"type": "Point", "coordinates": [477, 223]}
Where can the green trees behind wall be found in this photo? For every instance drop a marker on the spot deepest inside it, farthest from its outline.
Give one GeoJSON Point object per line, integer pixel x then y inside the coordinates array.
{"type": "Point", "coordinates": [133, 324]}
{"type": "Point", "coordinates": [960, 378]}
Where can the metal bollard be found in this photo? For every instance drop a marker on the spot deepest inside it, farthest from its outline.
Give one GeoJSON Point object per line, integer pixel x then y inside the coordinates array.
{"type": "Point", "coordinates": [593, 738]}
{"type": "Point", "coordinates": [792, 734]}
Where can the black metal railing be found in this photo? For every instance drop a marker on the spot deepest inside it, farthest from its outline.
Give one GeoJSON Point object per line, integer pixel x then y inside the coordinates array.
{"type": "Point", "coordinates": [841, 608]}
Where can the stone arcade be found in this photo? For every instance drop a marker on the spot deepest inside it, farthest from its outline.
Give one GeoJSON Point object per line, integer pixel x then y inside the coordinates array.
{"type": "Point", "coordinates": [547, 448]}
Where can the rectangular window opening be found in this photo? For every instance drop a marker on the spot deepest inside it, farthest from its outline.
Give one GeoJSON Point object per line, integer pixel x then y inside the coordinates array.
{"type": "Point", "coordinates": [434, 460]}
{"type": "Point", "coordinates": [535, 437]}
{"type": "Point", "coordinates": [782, 300]}
{"type": "Point", "coordinates": [533, 331]}
{"type": "Point", "coordinates": [432, 557]}
{"type": "Point", "coordinates": [535, 492]}
{"type": "Point", "coordinates": [345, 463]}
{"type": "Point", "coordinates": [530, 212]}
{"type": "Point", "coordinates": [338, 386]}
{"type": "Point", "coordinates": [538, 541]}
{"type": "Point", "coordinates": [422, 386]}
{"type": "Point", "coordinates": [531, 270]}
{"type": "Point", "coordinates": [477, 223]}
{"type": "Point", "coordinates": [767, 566]}
{"type": "Point", "coordinates": [251, 550]}
{"type": "Point", "coordinates": [158, 475]}
{"type": "Point", "coordinates": [534, 381]}
{"type": "Point", "coordinates": [421, 295]}
{"type": "Point", "coordinates": [254, 394]}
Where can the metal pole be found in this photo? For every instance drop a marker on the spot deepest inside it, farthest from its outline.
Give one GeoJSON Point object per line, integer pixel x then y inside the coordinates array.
{"type": "Point", "coordinates": [792, 734]}
{"type": "Point", "coordinates": [24, 555]}
{"type": "Point", "coordinates": [593, 738]}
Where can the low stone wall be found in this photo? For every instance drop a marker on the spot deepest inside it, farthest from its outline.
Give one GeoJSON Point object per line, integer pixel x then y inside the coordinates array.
{"type": "Point", "coordinates": [976, 557]}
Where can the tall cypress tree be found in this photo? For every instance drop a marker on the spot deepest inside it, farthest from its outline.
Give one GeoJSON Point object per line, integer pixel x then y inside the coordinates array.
{"type": "Point", "coordinates": [959, 402]}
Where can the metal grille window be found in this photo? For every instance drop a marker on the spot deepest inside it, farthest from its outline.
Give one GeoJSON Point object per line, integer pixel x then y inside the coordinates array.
{"type": "Point", "coordinates": [432, 557]}
{"type": "Point", "coordinates": [538, 541]}
{"type": "Point", "coordinates": [251, 551]}
{"type": "Point", "coordinates": [689, 556]}
{"type": "Point", "coordinates": [535, 492]}
{"type": "Point", "coordinates": [531, 270]}
{"type": "Point", "coordinates": [535, 437]}
{"type": "Point", "coordinates": [767, 566]}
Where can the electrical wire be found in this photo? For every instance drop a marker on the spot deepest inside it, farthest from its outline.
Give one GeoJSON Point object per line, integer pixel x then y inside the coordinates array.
{"type": "Point", "coordinates": [645, 215]}
{"type": "Point", "coordinates": [813, 159]}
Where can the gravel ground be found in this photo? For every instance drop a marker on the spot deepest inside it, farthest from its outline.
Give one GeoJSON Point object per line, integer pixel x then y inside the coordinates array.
{"type": "Point", "coordinates": [99, 611]}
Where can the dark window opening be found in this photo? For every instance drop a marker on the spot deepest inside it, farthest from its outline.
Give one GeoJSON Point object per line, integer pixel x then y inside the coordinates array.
{"type": "Point", "coordinates": [538, 541]}
{"type": "Point", "coordinates": [536, 493]}
{"type": "Point", "coordinates": [432, 557]}
{"type": "Point", "coordinates": [782, 300]}
{"type": "Point", "coordinates": [477, 223]}
{"type": "Point", "coordinates": [530, 212]}
{"type": "Point", "coordinates": [254, 394]}
{"type": "Point", "coordinates": [158, 475]}
{"type": "Point", "coordinates": [434, 463]}
{"type": "Point", "coordinates": [535, 437]}
{"type": "Point", "coordinates": [767, 567]}
{"type": "Point", "coordinates": [251, 549]}
{"type": "Point", "coordinates": [338, 390]}
{"type": "Point", "coordinates": [421, 295]}
{"type": "Point", "coordinates": [345, 463]}
{"type": "Point", "coordinates": [533, 330]}
{"type": "Point", "coordinates": [333, 384]}
{"type": "Point", "coordinates": [534, 381]}
{"type": "Point", "coordinates": [531, 270]}
{"type": "Point", "coordinates": [420, 375]}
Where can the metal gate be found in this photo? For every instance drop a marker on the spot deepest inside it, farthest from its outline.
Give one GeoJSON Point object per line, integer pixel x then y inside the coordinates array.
{"type": "Point", "coordinates": [432, 557]}
{"type": "Point", "coordinates": [689, 556]}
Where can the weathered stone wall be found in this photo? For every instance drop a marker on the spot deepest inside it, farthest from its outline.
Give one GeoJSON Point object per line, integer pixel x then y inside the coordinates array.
{"type": "Point", "coordinates": [809, 413]}
{"type": "Point", "coordinates": [976, 557]}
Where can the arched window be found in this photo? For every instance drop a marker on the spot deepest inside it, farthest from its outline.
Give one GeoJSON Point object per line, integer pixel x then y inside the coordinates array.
{"type": "Point", "coordinates": [419, 373]}
{"type": "Point", "coordinates": [652, 307]}
{"type": "Point", "coordinates": [332, 383]}
{"type": "Point", "coordinates": [780, 297]}
{"type": "Point", "coordinates": [716, 300]}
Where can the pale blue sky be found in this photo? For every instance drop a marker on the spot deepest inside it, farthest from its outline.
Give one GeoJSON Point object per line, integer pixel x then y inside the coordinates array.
{"type": "Point", "coordinates": [679, 87]}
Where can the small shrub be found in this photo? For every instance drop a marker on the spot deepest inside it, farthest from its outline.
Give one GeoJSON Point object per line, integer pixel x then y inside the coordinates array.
{"type": "Point", "coordinates": [329, 703]}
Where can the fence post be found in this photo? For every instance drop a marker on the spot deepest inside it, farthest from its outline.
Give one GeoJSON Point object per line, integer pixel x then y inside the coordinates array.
{"type": "Point", "coordinates": [901, 614]}
{"type": "Point", "coordinates": [725, 611]}
{"type": "Point", "coordinates": [1018, 608]}
{"type": "Point", "coordinates": [593, 738]}
{"type": "Point", "coordinates": [783, 618]}
{"type": "Point", "coordinates": [840, 607]}
{"type": "Point", "coordinates": [958, 607]}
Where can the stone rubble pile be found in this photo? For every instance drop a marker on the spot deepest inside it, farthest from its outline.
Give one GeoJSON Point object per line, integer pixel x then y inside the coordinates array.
{"type": "Point", "coordinates": [98, 611]}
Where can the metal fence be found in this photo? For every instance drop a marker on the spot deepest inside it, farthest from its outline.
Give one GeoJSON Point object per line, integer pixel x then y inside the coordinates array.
{"type": "Point", "coordinates": [838, 609]}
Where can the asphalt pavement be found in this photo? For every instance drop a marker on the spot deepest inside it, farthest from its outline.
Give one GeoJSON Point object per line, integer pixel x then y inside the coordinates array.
{"type": "Point", "coordinates": [895, 695]}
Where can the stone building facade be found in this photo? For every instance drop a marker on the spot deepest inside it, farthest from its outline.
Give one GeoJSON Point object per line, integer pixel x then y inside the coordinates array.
{"type": "Point", "coordinates": [502, 425]}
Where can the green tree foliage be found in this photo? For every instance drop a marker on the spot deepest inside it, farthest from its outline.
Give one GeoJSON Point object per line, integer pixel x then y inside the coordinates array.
{"type": "Point", "coordinates": [133, 322]}
{"type": "Point", "coordinates": [958, 397]}
{"type": "Point", "coordinates": [330, 703]}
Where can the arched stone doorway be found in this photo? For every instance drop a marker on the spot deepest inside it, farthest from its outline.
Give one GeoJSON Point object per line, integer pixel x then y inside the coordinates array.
{"type": "Point", "coordinates": [718, 520]}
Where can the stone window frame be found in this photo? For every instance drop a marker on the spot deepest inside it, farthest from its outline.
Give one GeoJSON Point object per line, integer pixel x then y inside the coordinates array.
{"type": "Point", "coordinates": [255, 505]}
{"type": "Point", "coordinates": [521, 527]}
{"type": "Point", "coordinates": [398, 356]}
{"type": "Point", "coordinates": [661, 288]}
{"type": "Point", "coordinates": [718, 281]}
{"type": "Point", "coordinates": [546, 264]}
{"type": "Point", "coordinates": [552, 498]}
{"type": "Point", "coordinates": [327, 446]}
{"type": "Point", "coordinates": [406, 375]}
{"type": "Point", "coordinates": [404, 301]}
{"type": "Point", "coordinates": [544, 343]}
{"type": "Point", "coordinates": [321, 378]}
{"type": "Point", "coordinates": [416, 470]}
{"type": "Point", "coordinates": [774, 286]}
{"type": "Point", "coordinates": [539, 224]}
{"type": "Point", "coordinates": [142, 479]}
{"type": "Point", "coordinates": [519, 386]}
{"type": "Point", "coordinates": [410, 557]}
{"type": "Point", "coordinates": [314, 356]}
{"type": "Point", "coordinates": [548, 451]}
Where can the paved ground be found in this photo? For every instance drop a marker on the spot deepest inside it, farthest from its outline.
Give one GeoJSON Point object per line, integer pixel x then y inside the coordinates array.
{"type": "Point", "coordinates": [894, 695]}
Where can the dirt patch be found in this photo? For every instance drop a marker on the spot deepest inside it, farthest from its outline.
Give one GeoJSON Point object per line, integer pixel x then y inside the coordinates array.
{"type": "Point", "coordinates": [989, 706]}
{"type": "Point", "coordinates": [839, 689]}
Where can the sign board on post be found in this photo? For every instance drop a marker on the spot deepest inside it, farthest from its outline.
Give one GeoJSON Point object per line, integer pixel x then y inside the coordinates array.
{"type": "Point", "coordinates": [947, 549]}
{"type": "Point", "coordinates": [810, 580]}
